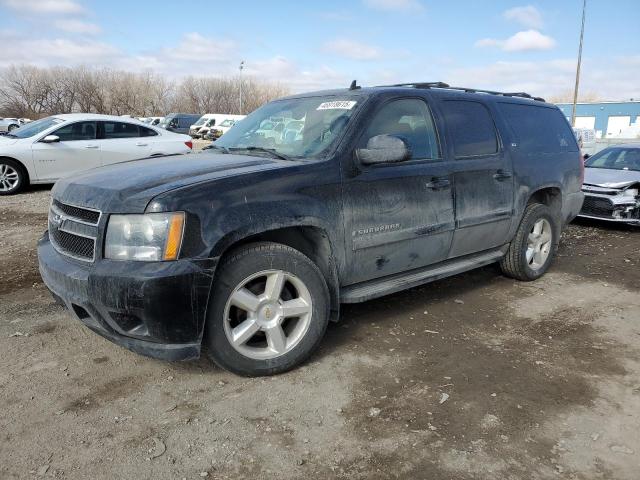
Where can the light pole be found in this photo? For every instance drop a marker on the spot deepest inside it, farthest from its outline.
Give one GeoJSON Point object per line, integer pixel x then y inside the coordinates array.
{"type": "Point", "coordinates": [241, 68]}
{"type": "Point", "coordinates": [575, 89]}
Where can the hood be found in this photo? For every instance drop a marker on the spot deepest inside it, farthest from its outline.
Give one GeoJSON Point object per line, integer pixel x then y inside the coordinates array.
{"type": "Point", "coordinates": [6, 141]}
{"type": "Point", "coordinates": [609, 178]}
{"type": "Point", "coordinates": [129, 187]}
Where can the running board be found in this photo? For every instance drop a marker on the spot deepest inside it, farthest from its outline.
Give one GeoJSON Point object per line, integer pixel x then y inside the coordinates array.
{"type": "Point", "coordinates": [361, 292]}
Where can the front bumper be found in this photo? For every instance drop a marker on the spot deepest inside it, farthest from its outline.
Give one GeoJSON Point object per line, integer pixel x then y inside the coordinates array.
{"type": "Point", "coordinates": [611, 208]}
{"type": "Point", "coordinates": [155, 309]}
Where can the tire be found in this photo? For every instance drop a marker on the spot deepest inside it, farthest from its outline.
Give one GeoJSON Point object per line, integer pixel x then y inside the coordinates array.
{"type": "Point", "coordinates": [240, 294]}
{"type": "Point", "coordinates": [13, 176]}
{"type": "Point", "coordinates": [519, 262]}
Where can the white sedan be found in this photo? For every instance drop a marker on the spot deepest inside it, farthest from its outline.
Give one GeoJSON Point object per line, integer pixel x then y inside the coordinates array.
{"type": "Point", "coordinates": [54, 147]}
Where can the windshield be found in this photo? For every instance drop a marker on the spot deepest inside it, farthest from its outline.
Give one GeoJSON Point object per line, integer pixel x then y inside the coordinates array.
{"type": "Point", "coordinates": [200, 121]}
{"type": "Point", "coordinates": [617, 158]}
{"type": "Point", "coordinates": [164, 122]}
{"type": "Point", "coordinates": [34, 128]}
{"type": "Point", "coordinates": [319, 121]}
{"type": "Point", "coordinates": [227, 123]}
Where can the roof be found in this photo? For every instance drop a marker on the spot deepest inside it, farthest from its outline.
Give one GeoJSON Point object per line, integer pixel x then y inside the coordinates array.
{"type": "Point", "coordinates": [95, 116]}
{"type": "Point", "coordinates": [435, 87]}
{"type": "Point", "coordinates": [625, 145]}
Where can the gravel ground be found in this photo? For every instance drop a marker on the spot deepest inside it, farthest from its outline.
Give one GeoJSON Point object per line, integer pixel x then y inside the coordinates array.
{"type": "Point", "coordinates": [473, 377]}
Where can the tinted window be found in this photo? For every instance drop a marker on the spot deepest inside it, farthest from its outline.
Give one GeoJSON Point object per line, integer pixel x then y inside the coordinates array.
{"type": "Point", "coordinates": [410, 120]}
{"type": "Point", "coordinates": [120, 130]}
{"type": "Point", "coordinates": [147, 132]}
{"type": "Point", "coordinates": [539, 129]}
{"type": "Point", "coordinates": [471, 127]}
{"type": "Point", "coordinates": [77, 131]}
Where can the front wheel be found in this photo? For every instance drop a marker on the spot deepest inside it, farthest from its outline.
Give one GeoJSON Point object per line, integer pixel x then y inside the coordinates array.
{"type": "Point", "coordinates": [12, 176]}
{"type": "Point", "coordinates": [269, 310]}
{"type": "Point", "coordinates": [532, 249]}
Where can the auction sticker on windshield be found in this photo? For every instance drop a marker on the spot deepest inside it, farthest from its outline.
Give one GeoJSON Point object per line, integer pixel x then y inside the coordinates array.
{"type": "Point", "coordinates": [337, 105]}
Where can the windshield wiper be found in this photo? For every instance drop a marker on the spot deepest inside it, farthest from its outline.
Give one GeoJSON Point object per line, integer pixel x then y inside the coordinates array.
{"type": "Point", "coordinates": [10, 135]}
{"type": "Point", "coordinates": [271, 151]}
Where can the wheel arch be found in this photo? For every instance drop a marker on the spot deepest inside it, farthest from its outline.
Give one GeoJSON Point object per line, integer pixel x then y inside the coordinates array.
{"type": "Point", "coordinates": [21, 165]}
{"type": "Point", "coordinates": [311, 240]}
{"type": "Point", "coordinates": [550, 196]}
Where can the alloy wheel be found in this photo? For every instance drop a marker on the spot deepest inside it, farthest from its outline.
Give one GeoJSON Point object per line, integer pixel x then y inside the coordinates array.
{"type": "Point", "coordinates": [267, 314]}
{"type": "Point", "coordinates": [9, 178]}
{"type": "Point", "coordinates": [539, 244]}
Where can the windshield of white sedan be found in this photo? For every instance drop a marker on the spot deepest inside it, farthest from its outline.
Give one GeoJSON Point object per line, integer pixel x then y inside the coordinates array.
{"type": "Point", "coordinates": [616, 159]}
{"type": "Point", "coordinates": [34, 128]}
{"type": "Point", "coordinates": [299, 127]}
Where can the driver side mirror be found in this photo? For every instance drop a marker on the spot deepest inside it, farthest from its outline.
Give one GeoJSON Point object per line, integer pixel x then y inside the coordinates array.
{"type": "Point", "coordinates": [50, 139]}
{"type": "Point", "coordinates": [384, 149]}
{"type": "Point", "coordinates": [586, 155]}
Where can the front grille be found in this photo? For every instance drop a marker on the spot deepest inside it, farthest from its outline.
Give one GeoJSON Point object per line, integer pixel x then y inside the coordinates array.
{"type": "Point", "coordinates": [73, 230]}
{"type": "Point", "coordinates": [73, 245]}
{"type": "Point", "coordinates": [79, 213]}
{"type": "Point", "coordinates": [597, 207]}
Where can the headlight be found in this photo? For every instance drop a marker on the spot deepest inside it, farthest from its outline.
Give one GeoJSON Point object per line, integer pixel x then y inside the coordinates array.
{"type": "Point", "coordinates": [150, 237]}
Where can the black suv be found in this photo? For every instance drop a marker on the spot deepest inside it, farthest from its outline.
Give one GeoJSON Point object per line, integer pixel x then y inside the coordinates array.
{"type": "Point", "coordinates": [251, 246]}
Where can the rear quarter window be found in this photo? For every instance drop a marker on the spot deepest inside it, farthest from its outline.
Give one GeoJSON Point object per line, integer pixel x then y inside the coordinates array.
{"type": "Point", "coordinates": [539, 129]}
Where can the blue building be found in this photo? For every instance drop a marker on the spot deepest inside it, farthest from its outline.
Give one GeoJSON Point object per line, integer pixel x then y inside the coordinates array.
{"type": "Point", "coordinates": [608, 119]}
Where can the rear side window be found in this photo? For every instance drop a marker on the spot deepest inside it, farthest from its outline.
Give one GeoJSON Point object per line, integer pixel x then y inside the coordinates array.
{"type": "Point", "coordinates": [147, 132]}
{"type": "Point", "coordinates": [539, 129]}
{"type": "Point", "coordinates": [472, 128]}
{"type": "Point", "coordinates": [120, 130]}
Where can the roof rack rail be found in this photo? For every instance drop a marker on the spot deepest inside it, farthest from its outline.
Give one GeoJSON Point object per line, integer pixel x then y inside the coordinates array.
{"type": "Point", "coordinates": [420, 85]}
{"type": "Point", "coordinates": [464, 89]}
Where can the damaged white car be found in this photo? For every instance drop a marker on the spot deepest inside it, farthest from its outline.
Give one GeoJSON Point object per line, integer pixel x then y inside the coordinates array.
{"type": "Point", "coordinates": [612, 185]}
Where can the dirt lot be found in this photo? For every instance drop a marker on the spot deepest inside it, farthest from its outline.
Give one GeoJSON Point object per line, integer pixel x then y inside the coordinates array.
{"type": "Point", "coordinates": [473, 377]}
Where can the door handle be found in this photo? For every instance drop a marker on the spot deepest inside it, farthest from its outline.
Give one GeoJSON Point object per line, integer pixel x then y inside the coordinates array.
{"type": "Point", "coordinates": [501, 175]}
{"type": "Point", "coordinates": [141, 144]}
{"type": "Point", "coordinates": [438, 183]}
{"type": "Point", "coordinates": [91, 146]}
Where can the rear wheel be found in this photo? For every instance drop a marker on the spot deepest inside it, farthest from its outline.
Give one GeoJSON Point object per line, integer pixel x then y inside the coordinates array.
{"type": "Point", "coordinates": [269, 310]}
{"type": "Point", "coordinates": [532, 249]}
{"type": "Point", "coordinates": [12, 176]}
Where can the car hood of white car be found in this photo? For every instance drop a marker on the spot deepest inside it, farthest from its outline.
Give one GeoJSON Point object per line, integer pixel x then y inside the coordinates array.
{"type": "Point", "coordinates": [6, 141]}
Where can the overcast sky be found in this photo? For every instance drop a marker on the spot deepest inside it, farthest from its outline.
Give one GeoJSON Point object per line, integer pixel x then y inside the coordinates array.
{"type": "Point", "coordinates": [310, 45]}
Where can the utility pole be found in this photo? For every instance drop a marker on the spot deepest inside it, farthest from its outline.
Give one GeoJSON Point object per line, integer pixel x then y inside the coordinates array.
{"type": "Point", "coordinates": [241, 68]}
{"type": "Point", "coordinates": [575, 89]}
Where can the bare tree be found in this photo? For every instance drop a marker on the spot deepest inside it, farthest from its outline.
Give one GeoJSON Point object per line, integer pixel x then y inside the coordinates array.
{"type": "Point", "coordinates": [567, 97]}
{"type": "Point", "coordinates": [28, 91]}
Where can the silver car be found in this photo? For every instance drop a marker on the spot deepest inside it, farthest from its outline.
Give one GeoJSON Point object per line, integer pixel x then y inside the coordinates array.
{"type": "Point", "coordinates": [9, 124]}
{"type": "Point", "coordinates": [612, 185]}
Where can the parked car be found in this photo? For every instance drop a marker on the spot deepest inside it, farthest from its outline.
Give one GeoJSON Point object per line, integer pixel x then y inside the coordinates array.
{"type": "Point", "coordinates": [54, 147]}
{"type": "Point", "coordinates": [612, 185]}
{"type": "Point", "coordinates": [223, 127]}
{"type": "Point", "coordinates": [252, 245]}
{"type": "Point", "coordinates": [178, 122]}
{"type": "Point", "coordinates": [9, 124]}
{"type": "Point", "coordinates": [203, 127]}
{"type": "Point", "coordinates": [154, 120]}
